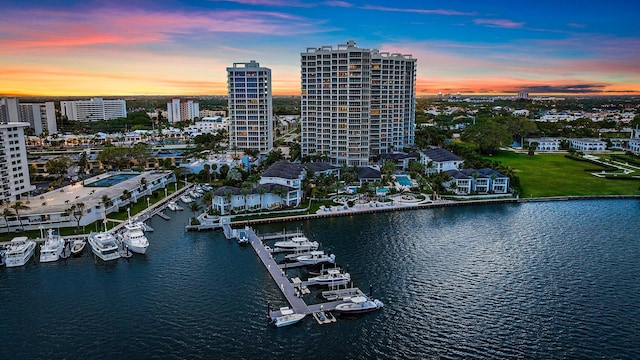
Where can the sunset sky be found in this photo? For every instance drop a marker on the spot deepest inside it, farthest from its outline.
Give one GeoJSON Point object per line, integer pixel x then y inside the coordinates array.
{"type": "Point", "coordinates": [169, 47]}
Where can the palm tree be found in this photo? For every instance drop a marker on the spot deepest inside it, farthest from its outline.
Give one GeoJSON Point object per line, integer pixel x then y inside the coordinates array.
{"type": "Point", "coordinates": [280, 192]}
{"type": "Point", "coordinates": [207, 169]}
{"type": "Point", "coordinates": [245, 193]}
{"type": "Point", "coordinates": [227, 194]}
{"type": "Point", "coordinates": [17, 207]}
{"type": "Point", "coordinates": [261, 192]}
{"type": "Point", "coordinates": [77, 210]}
{"type": "Point", "coordinates": [106, 200]}
{"type": "Point", "coordinates": [5, 214]}
{"type": "Point", "coordinates": [207, 199]}
{"type": "Point", "coordinates": [194, 207]}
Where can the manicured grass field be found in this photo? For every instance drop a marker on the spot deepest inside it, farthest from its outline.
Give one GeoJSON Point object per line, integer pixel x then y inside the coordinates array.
{"type": "Point", "coordinates": [555, 175]}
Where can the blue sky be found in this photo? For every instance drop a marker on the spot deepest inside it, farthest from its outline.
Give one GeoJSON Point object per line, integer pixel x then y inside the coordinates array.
{"type": "Point", "coordinates": [171, 47]}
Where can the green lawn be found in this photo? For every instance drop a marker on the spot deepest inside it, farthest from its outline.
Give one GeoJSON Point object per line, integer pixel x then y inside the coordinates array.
{"type": "Point", "coordinates": [555, 175]}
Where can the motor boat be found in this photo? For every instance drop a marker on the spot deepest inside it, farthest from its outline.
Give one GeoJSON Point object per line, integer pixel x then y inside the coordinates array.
{"type": "Point", "coordinates": [186, 199]}
{"type": "Point", "coordinates": [332, 277]}
{"type": "Point", "coordinates": [52, 248]}
{"type": "Point", "coordinates": [315, 257]}
{"type": "Point", "coordinates": [78, 246]}
{"type": "Point", "coordinates": [288, 317]}
{"type": "Point", "coordinates": [243, 238]}
{"type": "Point", "coordinates": [358, 305]}
{"type": "Point", "coordinates": [20, 250]}
{"type": "Point", "coordinates": [104, 245]}
{"type": "Point", "coordinates": [134, 238]}
{"type": "Point", "coordinates": [173, 206]}
{"type": "Point", "coordinates": [299, 243]}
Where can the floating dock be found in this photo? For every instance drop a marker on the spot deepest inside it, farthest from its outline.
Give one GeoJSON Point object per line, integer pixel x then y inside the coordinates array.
{"type": "Point", "coordinates": [293, 290]}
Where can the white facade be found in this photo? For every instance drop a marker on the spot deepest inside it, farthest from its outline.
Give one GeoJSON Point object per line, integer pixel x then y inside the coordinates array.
{"type": "Point", "coordinates": [14, 169]}
{"type": "Point", "coordinates": [250, 107]}
{"type": "Point", "coordinates": [208, 125]}
{"type": "Point", "coordinates": [9, 110]}
{"type": "Point", "coordinates": [41, 117]}
{"type": "Point", "coordinates": [356, 103]}
{"type": "Point", "coordinates": [588, 144]}
{"type": "Point", "coordinates": [545, 144]}
{"type": "Point", "coordinates": [181, 110]}
{"type": "Point", "coordinates": [95, 109]}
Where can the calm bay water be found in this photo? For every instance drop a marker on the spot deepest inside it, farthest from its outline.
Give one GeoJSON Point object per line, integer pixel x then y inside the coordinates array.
{"type": "Point", "coordinates": [538, 280]}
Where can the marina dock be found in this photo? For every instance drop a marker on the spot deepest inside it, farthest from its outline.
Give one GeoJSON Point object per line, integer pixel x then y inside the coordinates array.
{"type": "Point", "coordinates": [293, 290]}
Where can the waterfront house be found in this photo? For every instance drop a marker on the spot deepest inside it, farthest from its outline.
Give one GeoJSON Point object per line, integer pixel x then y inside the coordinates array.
{"type": "Point", "coordinates": [368, 174]}
{"type": "Point", "coordinates": [437, 160]}
{"type": "Point", "coordinates": [399, 158]}
{"type": "Point", "coordinates": [460, 183]}
{"type": "Point", "coordinates": [280, 185]}
{"type": "Point", "coordinates": [322, 168]}
{"type": "Point", "coordinates": [482, 181]}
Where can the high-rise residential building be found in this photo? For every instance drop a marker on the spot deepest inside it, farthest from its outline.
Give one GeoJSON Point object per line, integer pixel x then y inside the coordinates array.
{"type": "Point", "coordinates": [356, 103]}
{"type": "Point", "coordinates": [250, 107]}
{"type": "Point", "coordinates": [180, 110]}
{"type": "Point", "coordinates": [523, 95]}
{"type": "Point", "coordinates": [95, 109]}
{"type": "Point", "coordinates": [9, 110]}
{"type": "Point", "coordinates": [14, 169]}
{"type": "Point", "coordinates": [41, 117]}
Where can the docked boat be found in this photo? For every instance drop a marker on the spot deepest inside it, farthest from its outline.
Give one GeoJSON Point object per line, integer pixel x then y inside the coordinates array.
{"type": "Point", "coordinates": [77, 247]}
{"type": "Point", "coordinates": [186, 199]}
{"type": "Point", "coordinates": [332, 277]}
{"type": "Point", "coordinates": [104, 245]}
{"type": "Point", "coordinates": [358, 305]}
{"type": "Point", "coordinates": [299, 243]}
{"type": "Point", "coordinates": [243, 238]}
{"type": "Point", "coordinates": [134, 238]}
{"type": "Point", "coordinates": [52, 248]}
{"type": "Point", "coordinates": [20, 250]}
{"type": "Point", "coordinates": [288, 317]}
{"type": "Point", "coordinates": [315, 257]}
{"type": "Point", "coordinates": [173, 206]}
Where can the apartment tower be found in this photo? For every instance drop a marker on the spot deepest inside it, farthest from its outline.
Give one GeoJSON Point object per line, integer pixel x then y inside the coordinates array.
{"type": "Point", "coordinates": [250, 107]}
{"type": "Point", "coordinates": [14, 169]}
{"type": "Point", "coordinates": [95, 109]}
{"type": "Point", "coordinates": [356, 103]}
{"type": "Point", "coordinates": [181, 110]}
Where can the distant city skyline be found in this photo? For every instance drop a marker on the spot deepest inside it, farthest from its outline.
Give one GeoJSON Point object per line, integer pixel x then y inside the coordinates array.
{"type": "Point", "coordinates": [167, 48]}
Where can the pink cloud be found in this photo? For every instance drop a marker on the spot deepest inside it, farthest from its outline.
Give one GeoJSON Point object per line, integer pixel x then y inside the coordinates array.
{"type": "Point", "coordinates": [500, 23]}
{"type": "Point", "coordinates": [268, 2]}
{"type": "Point", "coordinates": [418, 11]}
{"type": "Point", "coordinates": [118, 27]}
{"type": "Point", "coordinates": [343, 4]}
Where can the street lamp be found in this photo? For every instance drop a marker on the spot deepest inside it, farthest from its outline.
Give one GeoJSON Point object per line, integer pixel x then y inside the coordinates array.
{"type": "Point", "coordinates": [148, 200]}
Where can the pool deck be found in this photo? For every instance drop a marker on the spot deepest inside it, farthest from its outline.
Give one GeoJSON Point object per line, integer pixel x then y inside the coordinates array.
{"type": "Point", "coordinates": [61, 199]}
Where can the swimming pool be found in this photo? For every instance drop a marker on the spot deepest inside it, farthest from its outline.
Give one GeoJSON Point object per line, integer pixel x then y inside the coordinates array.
{"type": "Point", "coordinates": [111, 180]}
{"type": "Point", "coordinates": [403, 180]}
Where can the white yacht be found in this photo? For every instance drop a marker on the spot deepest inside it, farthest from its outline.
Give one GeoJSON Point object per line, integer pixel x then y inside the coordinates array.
{"type": "Point", "coordinates": [315, 257]}
{"type": "Point", "coordinates": [186, 199]}
{"type": "Point", "coordinates": [20, 250]}
{"type": "Point", "coordinates": [288, 317]}
{"type": "Point", "coordinates": [332, 277]}
{"type": "Point", "coordinates": [52, 248]}
{"type": "Point", "coordinates": [299, 243]}
{"type": "Point", "coordinates": [134, 237]}
{"type": "Point", "coordinates": [358, 305]}
{"type": "Point", "coordinates": [171, 205]}
{"type": "Point", "coordinates": [104, 245]}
